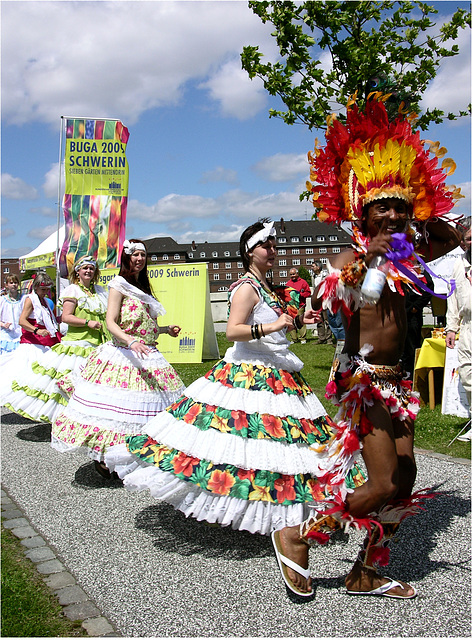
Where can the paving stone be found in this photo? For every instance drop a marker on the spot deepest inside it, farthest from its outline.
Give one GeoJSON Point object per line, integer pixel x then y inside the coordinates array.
{"type": "Point", "coordinates": [33, 543]}
{"type": "Point", "coordinates": [71, 595]}
{"type": "Point", "coordinates": [81, 611]}
{"type": "Point", "coordinates": [12, 512]}
{"type": "Point", "coordinates": [5, 500]}
{"type": "Point", "coordinates": [98, 627]}
{"type": "Point", "coordinates": [60, 580]}
{"type": "Point", "coordinates": [41, 554]}
{"type": "Point", "coordinates": [2, 493]}
{"type": "Point", "coordinates": [15, 523]}
{"type": "Point", "coordinates": [24, 532]}
{"type": "Point", "coordinates": [51, 566]}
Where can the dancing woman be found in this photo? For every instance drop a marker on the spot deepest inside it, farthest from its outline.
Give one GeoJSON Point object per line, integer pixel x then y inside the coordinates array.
{"type": "Point", "coordinates": [249, 444]}
{"type": "Point", "coordinates": [11, 304]}
{"type": "Point", "coordinates": [39, 332]}
{"type": "Point", "coordinates": [126, 381]}
{"type": "Point", "coordinates": [45, 388]}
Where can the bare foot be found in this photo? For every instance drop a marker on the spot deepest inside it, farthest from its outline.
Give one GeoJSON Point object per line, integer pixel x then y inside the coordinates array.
{"type": "Point", "coordinates": [363, 579]}
{"type": "Point", "coordinates": [294, 548]}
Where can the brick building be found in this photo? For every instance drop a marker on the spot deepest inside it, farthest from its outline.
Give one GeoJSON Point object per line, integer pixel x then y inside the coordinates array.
{"type": "Point", "coordinates": [10, 266]}
{"type": "Point", "coordinates": [298, 244]}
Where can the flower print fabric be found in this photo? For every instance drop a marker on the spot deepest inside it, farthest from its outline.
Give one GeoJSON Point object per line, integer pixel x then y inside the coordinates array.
{"type": "Point", "coordinates": [117, 392]}
{"type": "Point", "coordinates": [248, 445]}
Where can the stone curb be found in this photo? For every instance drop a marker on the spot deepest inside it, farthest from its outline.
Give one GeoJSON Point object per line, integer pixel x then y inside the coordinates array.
{"type": "Point", "coordinates": [75, 602]}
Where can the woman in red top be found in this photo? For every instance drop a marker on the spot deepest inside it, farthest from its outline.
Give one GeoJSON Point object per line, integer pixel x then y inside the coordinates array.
{"type": "Point", "coordinates": [39, 325]}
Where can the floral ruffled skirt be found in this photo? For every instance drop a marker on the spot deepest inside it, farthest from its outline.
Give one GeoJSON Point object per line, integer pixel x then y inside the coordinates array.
{"type": "Point", "coordinates": [248, 445]}
{"type": "Point", "coordinates": [115, 395]}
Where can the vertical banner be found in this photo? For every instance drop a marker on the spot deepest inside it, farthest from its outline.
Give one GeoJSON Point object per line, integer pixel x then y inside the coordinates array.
{"type": "Point", "coordinates": [183, 290]}
{"type": "Point", "coordinates": [96, 191]}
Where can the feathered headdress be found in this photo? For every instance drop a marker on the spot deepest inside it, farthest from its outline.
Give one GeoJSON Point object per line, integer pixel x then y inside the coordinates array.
{"type": "Point", "coordinates": [370, 158]}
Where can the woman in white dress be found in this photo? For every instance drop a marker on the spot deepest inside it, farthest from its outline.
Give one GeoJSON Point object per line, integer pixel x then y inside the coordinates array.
{"type": "Point", "coordinates": [249, 444]}
{"type": "Point", "coordinates": [45, 388]}
{"type": "Point", "coordinates": [126, 381]}
{"type": "Point", "coordinates": [11, 304]}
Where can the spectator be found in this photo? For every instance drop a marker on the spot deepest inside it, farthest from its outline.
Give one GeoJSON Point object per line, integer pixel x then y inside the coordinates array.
{"type": "Point", "coordinates": [300, 288]}
{"type": "Point", "coordinates": [459, 315]}
{"type": "Point", "coordinates": [324, 333]}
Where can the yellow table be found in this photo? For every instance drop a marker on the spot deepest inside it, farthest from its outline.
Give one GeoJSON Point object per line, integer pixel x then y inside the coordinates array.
{"type": "Point", "coordinates": [431, 355]}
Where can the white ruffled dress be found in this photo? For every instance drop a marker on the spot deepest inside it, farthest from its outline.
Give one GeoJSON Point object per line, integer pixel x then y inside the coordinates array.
{"type": "Point", "coordinates": [249, 444]}
{"type": "Point", "coordinates": [10, 311]}
{"type": "Point", "coordinates": [43, 390]}
{"type": "Point", "coordinates": [117, 392]}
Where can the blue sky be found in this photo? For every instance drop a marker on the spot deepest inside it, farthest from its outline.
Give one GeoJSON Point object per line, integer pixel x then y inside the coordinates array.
{"type": "Point", "coordinates": [205, 159]}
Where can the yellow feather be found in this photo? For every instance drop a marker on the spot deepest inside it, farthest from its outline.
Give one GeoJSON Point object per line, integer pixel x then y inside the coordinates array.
{"type": "Point", "coordinates": [361, 165]}
{"type": "Point", "coordinates": [407, 158]}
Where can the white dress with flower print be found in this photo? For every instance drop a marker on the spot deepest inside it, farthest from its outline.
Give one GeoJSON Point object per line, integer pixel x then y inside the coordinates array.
{"type": "Point", "coordinates": [118, 392]}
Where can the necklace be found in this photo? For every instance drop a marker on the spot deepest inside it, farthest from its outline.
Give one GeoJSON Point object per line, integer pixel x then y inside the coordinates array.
{"type": "Point", "coordinates": [270, 297]}
{"type": "Point", "coordinates": [90, 291]}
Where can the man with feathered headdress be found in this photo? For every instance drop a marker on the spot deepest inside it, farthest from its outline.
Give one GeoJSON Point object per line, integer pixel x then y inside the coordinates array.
{"type": "Point", "coordinates": [379, 176]}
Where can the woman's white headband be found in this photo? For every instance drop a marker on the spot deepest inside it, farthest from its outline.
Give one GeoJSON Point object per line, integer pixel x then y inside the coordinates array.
{"type": "Point", "coordinates": [131, 247]}
{"type": "Point", "coordinates": [261, 236]}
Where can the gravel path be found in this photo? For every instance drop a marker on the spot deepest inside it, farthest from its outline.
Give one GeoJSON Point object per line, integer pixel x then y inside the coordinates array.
{"type": "Point", "coordinates": [153, 573]}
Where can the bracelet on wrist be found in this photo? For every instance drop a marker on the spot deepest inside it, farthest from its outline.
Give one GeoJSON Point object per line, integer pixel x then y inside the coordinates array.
{"type": "Point", "coordinates": [35, 330]}
{"type": "Point", "coordinates": [132, 342]}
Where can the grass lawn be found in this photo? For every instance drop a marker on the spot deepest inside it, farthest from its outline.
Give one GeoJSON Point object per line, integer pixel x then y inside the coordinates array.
{"type": "Point", "coordinates": [29, 609]}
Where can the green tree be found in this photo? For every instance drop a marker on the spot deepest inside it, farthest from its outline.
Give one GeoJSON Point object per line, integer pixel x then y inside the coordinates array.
{"type": "Point", "coordinates": [388, 46]}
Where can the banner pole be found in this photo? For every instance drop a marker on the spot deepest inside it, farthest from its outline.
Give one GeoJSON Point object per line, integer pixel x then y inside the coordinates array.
{"type": "Point", "coordinates": [59, 208]}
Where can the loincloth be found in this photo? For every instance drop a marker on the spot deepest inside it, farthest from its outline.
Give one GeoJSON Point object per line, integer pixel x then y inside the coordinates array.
{"type": "Point", "coordinates": [356, 385]}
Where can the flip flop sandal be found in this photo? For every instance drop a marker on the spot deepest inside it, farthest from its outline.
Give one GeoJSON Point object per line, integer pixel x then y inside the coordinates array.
{"type": "Point", "coordinates": [284, 563]}
{"type": "Point", "coordinates": [382, 591]}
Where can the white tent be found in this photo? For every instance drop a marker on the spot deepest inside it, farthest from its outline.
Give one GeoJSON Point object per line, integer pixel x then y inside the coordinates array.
{"type": "Point", "coordinates": [45, 253]}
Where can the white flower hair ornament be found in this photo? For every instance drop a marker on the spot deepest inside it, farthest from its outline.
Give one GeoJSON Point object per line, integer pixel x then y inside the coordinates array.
{"type": "Point", "coordinates": [131, 247]}
{"type": "Point", "coordinates": [261, 236]}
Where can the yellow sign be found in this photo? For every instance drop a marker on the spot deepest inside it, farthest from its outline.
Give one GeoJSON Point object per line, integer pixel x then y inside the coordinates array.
{"type": "Point", "coordinates": [183, 290]}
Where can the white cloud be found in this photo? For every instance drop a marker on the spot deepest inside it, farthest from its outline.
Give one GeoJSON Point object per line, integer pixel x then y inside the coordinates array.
{"type": "Point", "coordinates": [238, 96]}
{"type": "Point", "coordinates": [219, 174]}
{"type": "Point", "coordinates": [17, 189]}
{"type": "Point", "coordinates": [118, 59]}
{"type": "Point", "coordinates": [50, 184]}
{"type": "Point", "coordinates": [451, 88]}
{"type": "Point", "coordinates": [283, 167]}
{"type": "Point", "coordinates": [41, 233]}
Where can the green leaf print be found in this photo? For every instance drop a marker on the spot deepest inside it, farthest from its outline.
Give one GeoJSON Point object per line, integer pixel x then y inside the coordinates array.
{"type": "Point", "coordinates": [240, 489]}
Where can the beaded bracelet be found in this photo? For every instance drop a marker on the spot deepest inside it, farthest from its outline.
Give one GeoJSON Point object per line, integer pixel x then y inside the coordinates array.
{"type": "Point", "coordinates": [132, 342]}
{"type": "Point", "coordinates": [353, 272]}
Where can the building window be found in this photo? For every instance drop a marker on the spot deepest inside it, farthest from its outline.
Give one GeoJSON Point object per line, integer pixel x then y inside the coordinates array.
{"type": "Point", "coordinates": [323, 250]}
{"type": "Point", "coordinates": [216, 276]}
{"type": "Point", "coordinates": [202, 254]}
{"type": "Point", "coordinates": [228, 276]}
{"type": "Point", "coordinates": [309, 251]}
{"type": "Point", "coordinates": [336, 250]}
{"type": "Point", "coordinates": [165, 256]}
{"type": "Point", "coordinates": [296, 252]}
{"type": "Point", "coordinates": [323, 260]}
{"type": "Point", "coordinates": [240, 274]}
{"type": "Point", "coordinates": [281, 252]}
{"type": "Point", "coordinates": [320, 238]}
{"type": "Point", "coordinates": [228, 265]}
{"type": "Point", "coordinates": [282, 240]}
{"type": "Point", "coordinates": [214, 254]}
{"type": "Point", "coordinates": [310, 261]}
{"type": "Point", "coordinates": [283, 274]}
{"type": "Point", "coordinates": [333, 238]}
{"type": "Point", "coordinates": [282, 263]}
{"type": "Point", "coordinates": [240, 265]}
{"type": "Point", "coordinates": [154, 258]}
{"type": "Point", "coordinates": [307, 238]}
{"type": "Point", "coordinates": [177, 256]}
{"type": "Point", "coordinates": [226, 254]}
{"type": "Point", "coordinates": [191, 255]}
{"type": "Point", "coordinates": [238, 253]}
{"type": "Point", "coordinates": [215, 265]}
{"type": "Point", "coordinates": [296, 262]}
{"type": "Point", "coordinates": [295, 239]}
